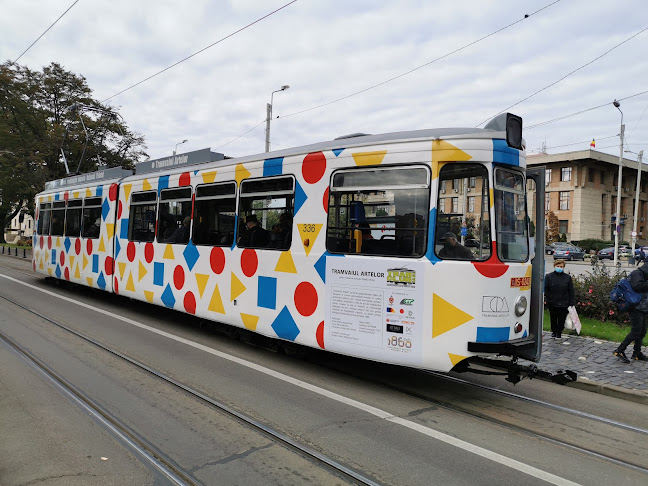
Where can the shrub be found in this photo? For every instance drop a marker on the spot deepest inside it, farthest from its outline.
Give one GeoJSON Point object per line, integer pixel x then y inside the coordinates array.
{"type": "Point", "coordinates": [592, 294]}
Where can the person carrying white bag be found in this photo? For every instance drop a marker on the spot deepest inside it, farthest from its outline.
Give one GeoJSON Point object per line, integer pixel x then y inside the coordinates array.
{"type": "Point", "coordinates": [559, 295]}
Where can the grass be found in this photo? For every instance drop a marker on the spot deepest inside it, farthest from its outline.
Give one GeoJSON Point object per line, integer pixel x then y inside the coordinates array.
{"type": "Point", "coordinates": [20, 247]}
{"type": "Point", "coordinates": [607, 331]}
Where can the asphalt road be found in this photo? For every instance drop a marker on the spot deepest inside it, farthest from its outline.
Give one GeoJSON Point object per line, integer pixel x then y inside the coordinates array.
{"type": "Point", "coordinates": [381, 420]}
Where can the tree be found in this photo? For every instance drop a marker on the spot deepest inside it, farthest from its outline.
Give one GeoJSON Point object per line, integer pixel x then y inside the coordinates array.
{"type": "Point", "coordinates": [42, 113]}
{"type": "Point", "coordinates": [553, 226]}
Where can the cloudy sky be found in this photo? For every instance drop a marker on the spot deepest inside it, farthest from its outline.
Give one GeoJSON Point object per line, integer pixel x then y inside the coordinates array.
{"type": "Point", "coordinates": [367, 66]}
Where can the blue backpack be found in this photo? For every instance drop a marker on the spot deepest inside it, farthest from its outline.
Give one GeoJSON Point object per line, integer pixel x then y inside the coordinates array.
{"type": "Point", "coordinates": [624, 296]}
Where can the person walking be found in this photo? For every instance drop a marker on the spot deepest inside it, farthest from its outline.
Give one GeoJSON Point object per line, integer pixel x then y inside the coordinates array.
{"type": "Point", "coordinates": [559, 295]}
{"type": "Point", "coordinates": [639, 282]}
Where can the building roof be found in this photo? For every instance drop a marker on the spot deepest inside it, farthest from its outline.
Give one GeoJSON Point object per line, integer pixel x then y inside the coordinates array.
{"type": "Point", "coordinates": [579, 155]}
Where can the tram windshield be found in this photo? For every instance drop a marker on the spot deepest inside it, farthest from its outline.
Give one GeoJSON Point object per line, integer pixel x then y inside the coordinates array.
{"type": "Point", "coordinates": [511, 216]}
{"type": "Point", "coordinates": [463, 221]}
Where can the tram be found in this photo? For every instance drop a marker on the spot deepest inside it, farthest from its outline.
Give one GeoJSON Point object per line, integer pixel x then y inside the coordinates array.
{"type": "Point", "coordinates": [410, 248]}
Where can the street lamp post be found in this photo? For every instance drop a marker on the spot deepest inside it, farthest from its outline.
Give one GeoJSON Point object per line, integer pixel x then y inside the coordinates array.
{"type": "Point", "coordinates": [617, 219]}
{"type": "Point", "coordinates": [636, 208]}
{"type": "Point", "coordinates": [269, 116]}
{"type": "Point", "coordinates": [176, 146]}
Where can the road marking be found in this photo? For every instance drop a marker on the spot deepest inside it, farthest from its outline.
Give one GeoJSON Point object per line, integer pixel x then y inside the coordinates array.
{"type": "Point", "coordinates": [448, 439]}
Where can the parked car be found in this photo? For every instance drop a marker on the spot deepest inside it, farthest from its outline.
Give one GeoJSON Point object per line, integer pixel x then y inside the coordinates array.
{"type": "Point", "coordinates": [474, 243]}
{"type": "Point", "coordinates": [606, 254]}
{"type": "Point", "coordinates": [569, 253]}
{"type": "Point", "coordinates": [551, 247]}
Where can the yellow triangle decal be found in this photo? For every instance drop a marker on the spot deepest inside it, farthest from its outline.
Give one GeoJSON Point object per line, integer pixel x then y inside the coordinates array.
{"type": "Point", "coordinates": [168, 253]}
{"type": "Point", "coordinates": [369, 158]}
{"type": "Point", "coordinates": [241, 173]}
{"type": "Point", "coordinates": [129, 285]}
{"type": "Point", "coordinates": [209, 177]}
{"type": "Point", "coordinates": [149, 296]}
{"type": "Point", "coordinates": [446, 316]}
{"type": "Point", "coordinates": [443, 151]}
{"type": "Point", "coordinates": [122, 269]}
{"type": "Point", "coordinates": [71, 262]}
{"type": "Point", "coordinates": [88, 193]}
{"type": "Point", "coordinates": [101, 245]}
{"type": "Point", "coordinates": [58, 243]}
{"type": "Point", "coordinates": [308, 234]}
{"type": "Point", "coordinates": [85, 261]}
{"type": "Point", "coordinates": [201, 281]}
{"type": "Point", "coordinates": [75, 195]}
{"type": "Point", "coordinates": [236, 288]}
{"type": "Point", "coordinates": [110, 229]}
{"type": "Point", "coordinates": [286, 263]}
{"type": "Point", "coordinates": [146, 185]}
{"type": "Point", "coordinates": [216, 303]}
{"type": "Point", "coordinates": [142, 272]}
{"type": "Point", "coordinates": [41, 265]}
{"type": "Point", "coordinates": [89, 279]}
{"type": "Point", "coordinates": [49, 270]}
{"type": "Point", "coordinates": [127, 190]}
{"type": "Point", "coordinates": [250, 322]}
{"type": "Point", "coordinates": [77, 274]}
{"type": "Point", "coordinates": [455, 358]}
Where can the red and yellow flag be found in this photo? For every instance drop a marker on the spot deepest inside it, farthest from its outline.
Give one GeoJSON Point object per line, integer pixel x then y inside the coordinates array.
{"type": "Point", "coordinates": [593, 144]}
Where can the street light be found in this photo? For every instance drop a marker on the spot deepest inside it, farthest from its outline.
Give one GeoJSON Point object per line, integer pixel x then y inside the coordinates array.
{"type": "Point", "coordinates": [636, 208]}
{"type": "Point", "coordinates": [617, 219]}
{"type": "Point", "coordinates": [176, 147]}
{"type": "Point", "coordinates": [269, 116]}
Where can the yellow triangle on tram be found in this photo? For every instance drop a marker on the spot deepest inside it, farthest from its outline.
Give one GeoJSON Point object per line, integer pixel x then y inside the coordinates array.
{"type": "Point", "coordinates": [168, 253]}
{"type": "Point", "coordinates": [127, 190]}
{"type": "Point", "coordinates": [40, 264]}
{"type": "Point", "coordinates": [71, 262]}
{"type": "Point", "coordinates": [49, 270]}
{"type": "Point", "coordinates": [216, 303]}
{"type": "Point", "coordinates": [85, 261]}
{"type": "Point", "coordinates": [130, 285]}
{"type": "Point", "coordinates": [443, 151]}
{"type": "Point", "coordinates": [286, 263]}
{"type": "Point", "coordinates": [142, 272]}
{"type": "Point", "coordinates": [146, 185]}
{"type": "Point", "coordinates": [149, 296]}
{"type": "Point", "coordinates": [75, 194]}
{"type": "Point", "coordinates": [445, 316]}
{"type": "Point", "coordinates": [455, 358]}
{"type": "Point", "coordinates": [241, 173]}
{"type": "Point", "coordinates": [122, 269]}
{"type": "Point", "coordinates": [102, 247]}
{"type": "Point", "coordinates": [110, 229]}
{"type": "Point", "coordinates": [209, 177]}
{"type": "Point", "coordinates": [88, 193]}
{"type": "Point", "coordinates": [201, 281]}
{"type": "Point", "coordinates": [308, 234]}
{"type": "Point", "coordinates": [236, 287]}
{"type": "Point", "coordinates": [369, 158]}
{"type": "Point", "coordinates": [58, 242]}
{"type": "Point", "coordinates": [77, 274]}
{"type": "Point", "coordinates": [249, 321]}
{"type": "Point", "coordinates": [89, 279]}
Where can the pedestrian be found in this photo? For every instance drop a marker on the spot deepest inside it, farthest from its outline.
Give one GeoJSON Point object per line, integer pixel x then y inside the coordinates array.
{"type": "Point", "coordinates": [639, 282]}
{"type": "Point", "coordinates": [559, 295]}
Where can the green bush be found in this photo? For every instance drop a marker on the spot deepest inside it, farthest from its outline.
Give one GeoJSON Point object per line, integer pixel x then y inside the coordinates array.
{"type": "Point", "coordinates": [592, 295]}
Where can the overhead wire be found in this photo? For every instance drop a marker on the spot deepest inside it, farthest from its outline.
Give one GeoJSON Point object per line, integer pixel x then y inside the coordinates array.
{"type": "Point", "coordinates": [47, 30]}
{"type": "Point", "coordinates": [201, 50]}
{"type": "Point", "coordinates": [565, 76]}
{"type": "Point", "coordinates": [242, 135]}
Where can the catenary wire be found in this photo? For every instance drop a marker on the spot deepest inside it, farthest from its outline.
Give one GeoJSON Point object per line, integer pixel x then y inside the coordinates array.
{"type": "Point", "coordinates": [565, 76]}
{"type": "Point", "coordinates": [47, 30]}
{"type": "Point", "coordinates": [201, 50]}
{"type": "Point", "coordinates": [242, 135]}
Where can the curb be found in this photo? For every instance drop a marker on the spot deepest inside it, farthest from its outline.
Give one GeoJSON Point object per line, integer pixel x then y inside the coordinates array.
{"type": "Point", "coordinates": [610, 390]}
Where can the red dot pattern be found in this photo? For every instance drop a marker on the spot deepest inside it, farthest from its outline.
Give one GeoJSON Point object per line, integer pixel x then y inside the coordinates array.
{"type": "Point", "coordinates": [325, 200]}
{"type": "Point", "coordinates": [112, 192]}
{"type": "Point", "coordinates": [89, 247]}
{"type": "Point", "coordinates": [305, 298]}
{"type": "Point", "coordinates": [119, 209]}
{"type": "Point", "coordinates": [108, 265]}
{"type": "Point", "coordinates": [313, 167]}
{"type": "Point", "coordinates": [217, 260]}
{"type": "Point", "coordinates": [66, 196]}
{"type": "Point", "coordinates": [190, 303]}
{"type": "Point", "coordinates": [66, 274]}
{"type": "Point", "coordinates": [42, 242]}
{"type": "Point", "coordinates": [130, 251]}
{"type": "Point", "coordinates": [149, 252]}
{"type": "Point", "coordinates": [185, 179]}
{"type": "Point", "coordinates": [178, 277]}
{"type": "Point", "coordinates": [319, 335]}
{"type": "Point", "coordinates": [62, 258]}
{"type": "Point", "coordinates": [49, 242]}
{"type": "Point", "coordinates": [249, 262]}
{"type": "Point", "coordinates": [116, 285]}
{"type": "Point", "coordinates": [77, 246]}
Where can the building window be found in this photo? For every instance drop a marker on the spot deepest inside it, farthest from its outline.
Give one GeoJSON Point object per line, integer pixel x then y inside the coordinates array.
{"type": "Point", "coordinates": [455, 185]}
{"type": "Point", "coordinates": [565, 174]}
{"type": "Point", "coordinates": [564, 200]}
{"type": "Point", "coordinates": [142, 217]}
{"type": "Point", "coordinates": [547, 201]}
{"type": "Point", "coordinates": [602, 177]}
{"type": "Point", "coordinates": [443, 187]}
{"type": "Point", "coordinates": [471, 204]}
{"type": "Point", "coordinates": [214, 214]}
{"type": "Point", "coordinates": [547, 176]}
{"type": "Point", "coordinates": [562, 226]}
{"type": "Point", "coordinates": [473, 181]}
{"type": "Point", "coordinates": [590, 174]}
{"type": "Point", "coordinates": [455, 204]}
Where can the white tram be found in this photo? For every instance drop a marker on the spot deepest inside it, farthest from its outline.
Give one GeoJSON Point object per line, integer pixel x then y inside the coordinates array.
{"type": "Point", "coordinates": [409, 248]}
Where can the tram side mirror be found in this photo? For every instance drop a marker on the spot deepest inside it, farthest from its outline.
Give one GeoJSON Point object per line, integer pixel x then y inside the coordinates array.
{"type": "Point", "coordinates": [510, 123]}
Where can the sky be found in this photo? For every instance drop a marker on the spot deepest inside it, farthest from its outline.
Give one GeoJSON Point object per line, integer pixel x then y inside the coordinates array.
{"type": "Point", "coordinates": [367, 66]}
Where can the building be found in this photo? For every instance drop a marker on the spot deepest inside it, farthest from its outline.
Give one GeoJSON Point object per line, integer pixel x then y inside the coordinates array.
{"type": "Point", "coordinates": [581, 189]}
{"type": "Point", "coordinates": [21, 227]}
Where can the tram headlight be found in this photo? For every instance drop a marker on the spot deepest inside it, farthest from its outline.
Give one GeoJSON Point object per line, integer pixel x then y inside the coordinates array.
{"type": "Point", "coordinates": [520, 305]}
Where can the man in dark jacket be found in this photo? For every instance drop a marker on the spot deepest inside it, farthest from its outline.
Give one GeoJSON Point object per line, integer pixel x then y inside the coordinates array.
{"type": "Point", "coordinates": [639, 282]}
{"type": "Point", "coordinates": [453, 249]}
{"type": "Point", "coordinates": [559, 295]}
{"type": "Point", "coordinates": [255, 236]}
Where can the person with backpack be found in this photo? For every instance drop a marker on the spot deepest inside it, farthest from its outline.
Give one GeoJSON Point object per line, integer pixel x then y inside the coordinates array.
{"type": "Point", "coordinates": [639, 282]}
{"type": "Point", "coordinates": [559, 295]}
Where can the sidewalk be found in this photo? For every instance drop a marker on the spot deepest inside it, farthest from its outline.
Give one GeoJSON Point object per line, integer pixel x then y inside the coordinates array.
{"type": "Point", "coordinates": [597, 368]}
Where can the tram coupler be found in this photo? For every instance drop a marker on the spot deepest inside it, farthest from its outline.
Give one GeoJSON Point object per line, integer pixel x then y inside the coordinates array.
{"type": "Point", "coordinates": [514, 371]}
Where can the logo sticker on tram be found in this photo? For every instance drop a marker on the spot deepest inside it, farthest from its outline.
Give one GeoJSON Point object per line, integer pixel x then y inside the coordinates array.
{"type": "Point", "coordinates": [492, 303]}
{"type": "Point", "coordinates": [401, 277]}
{"type": "Point", "coordinates": [407, 301]}
{"type": "Point", "coordinates": [521, 282]}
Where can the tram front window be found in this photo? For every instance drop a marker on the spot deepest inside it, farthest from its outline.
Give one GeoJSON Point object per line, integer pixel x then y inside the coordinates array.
{"type": "Point", "coordinates": [511, 216]}
{"type": "Point", "coordinates": [463, 222]}
{"type": "Point", "coordinates": [379, 211]}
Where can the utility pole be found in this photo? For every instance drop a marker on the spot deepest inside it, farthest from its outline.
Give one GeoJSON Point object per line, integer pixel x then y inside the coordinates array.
{"type": "Point", "coordinates": [636, 208]}
{"type": "Point", "coordinates": [617, 219]}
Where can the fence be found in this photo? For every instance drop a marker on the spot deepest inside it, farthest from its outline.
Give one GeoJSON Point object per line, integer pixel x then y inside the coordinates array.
{"type": "Point", "coordinates": [6, 250]}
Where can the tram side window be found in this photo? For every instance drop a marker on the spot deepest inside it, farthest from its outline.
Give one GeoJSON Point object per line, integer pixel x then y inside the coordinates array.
{"type": "Point", "coordinates": [91, 217]}
{"type": "Point", "coordinates": [379, 211]}
{"type": "Point", "coordinates": [215, 214]}
{"type": "Point", "coordinates": [174, 218]}
{"type": "Point", "coordinates": [58, 218]}
{"type": "Point", "coordinates": [73, 218]}
{"type": "Point", "coordinates": [463, 222]}
{"type": "Point", "coordinates": [44, 218]}
{"type": "Point", "coordinates": [142, 216]}
{"type": "Point", "coordinates": [266, 210]}
{"type": "Point", "coordinates": [511, 216]}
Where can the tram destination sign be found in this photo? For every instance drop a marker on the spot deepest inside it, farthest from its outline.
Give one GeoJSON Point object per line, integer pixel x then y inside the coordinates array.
{"type": "Point", "coordinates": [190, 158]}
{"type": "Point", "coordinates": [90, 177]}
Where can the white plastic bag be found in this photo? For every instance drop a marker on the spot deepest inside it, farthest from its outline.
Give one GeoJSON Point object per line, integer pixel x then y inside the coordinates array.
{"type": "Point", "coordinates": [573, 317]}
{"type": "Point", "coordinates": [569, 323]}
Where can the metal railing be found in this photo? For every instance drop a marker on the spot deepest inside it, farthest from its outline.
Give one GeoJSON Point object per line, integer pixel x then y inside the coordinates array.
{"type": "Point", "coordinates": [6, 250]}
